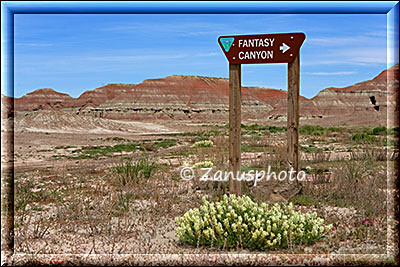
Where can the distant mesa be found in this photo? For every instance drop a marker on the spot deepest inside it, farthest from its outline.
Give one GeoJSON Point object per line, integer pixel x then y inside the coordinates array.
{"type": "Point", "coordinates": [376, 95]}
{"type": "Point", "coordinates": [101, 95]}
{"type": "Point", "coordinates": [45, 98]}
{"type": "Point", "coordinates": [180, 97]}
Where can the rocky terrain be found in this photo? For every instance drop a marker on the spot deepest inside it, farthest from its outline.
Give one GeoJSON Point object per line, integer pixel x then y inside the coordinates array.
{"type": "Point", "coordinates": [195, 98]}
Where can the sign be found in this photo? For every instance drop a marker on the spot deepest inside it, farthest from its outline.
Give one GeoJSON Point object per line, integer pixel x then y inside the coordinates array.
{"type": "Point", "coordinates": [261, 48]}
{"type": "Point", "coordinates": [254, 49]}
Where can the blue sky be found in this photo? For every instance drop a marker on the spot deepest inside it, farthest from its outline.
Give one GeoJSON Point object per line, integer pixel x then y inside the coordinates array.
{"type": "Point", "coordinates": [75, 53]}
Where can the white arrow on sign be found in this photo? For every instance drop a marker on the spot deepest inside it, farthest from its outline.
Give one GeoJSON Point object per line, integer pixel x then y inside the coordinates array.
{"type": "Point", "coordinates": [284, 47]}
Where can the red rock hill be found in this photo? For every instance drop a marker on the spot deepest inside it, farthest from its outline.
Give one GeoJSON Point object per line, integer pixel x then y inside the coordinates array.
{"type": "Point", "coordinates": [45, 98]}
{"type": "Point", "coordinates": [196, 97]}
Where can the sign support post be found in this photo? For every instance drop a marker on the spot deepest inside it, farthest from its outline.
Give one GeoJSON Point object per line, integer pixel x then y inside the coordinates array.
{"type": "Point", "coordinates": [293, 114]}
{"type": "Point", "coordinates": [235, 103]}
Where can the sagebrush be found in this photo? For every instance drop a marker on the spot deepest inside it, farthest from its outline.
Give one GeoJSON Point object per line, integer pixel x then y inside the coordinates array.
{"type": "Point", "coordinates": [240, 222]}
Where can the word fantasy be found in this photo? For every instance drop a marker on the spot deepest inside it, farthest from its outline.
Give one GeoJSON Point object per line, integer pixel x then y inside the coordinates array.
{"type": "Point", "coordinates": [247, 43]}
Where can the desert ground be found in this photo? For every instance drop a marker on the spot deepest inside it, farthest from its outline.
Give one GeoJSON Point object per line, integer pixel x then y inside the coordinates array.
{"type": "Point", "coordinates": [118, 192]}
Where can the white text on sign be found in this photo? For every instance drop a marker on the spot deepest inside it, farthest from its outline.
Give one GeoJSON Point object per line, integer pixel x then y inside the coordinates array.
{"type": "Point", "coordinates": [251, 43]}
{"type": "Point", "coordinates": [256, 42]}
{"type": "Point", "coordinates": [256, 54]}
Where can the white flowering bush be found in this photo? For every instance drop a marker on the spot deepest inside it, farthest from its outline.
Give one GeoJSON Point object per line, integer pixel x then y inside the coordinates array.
{"type": "Point", "coordinates": [203, 164]}
{"type": "Point", "coordinates": [240, 222]}
{"type": "Point", "coordinates": [203, 143]}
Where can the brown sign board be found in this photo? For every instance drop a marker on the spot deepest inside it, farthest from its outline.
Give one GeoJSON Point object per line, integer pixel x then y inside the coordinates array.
{"type": "Point", "coordinates": [261, 48]}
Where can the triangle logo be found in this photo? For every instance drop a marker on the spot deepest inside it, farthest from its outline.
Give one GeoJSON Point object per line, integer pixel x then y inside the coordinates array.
{"type": "Point", "coordinates": [227, 43]}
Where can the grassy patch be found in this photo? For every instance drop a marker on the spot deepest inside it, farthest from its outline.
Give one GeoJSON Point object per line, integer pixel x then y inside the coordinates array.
{"type": "Point", "coordinates": [303, 200]}
{"type": "Point", "coordinates": [335, 129]}
{"type": "Point", "coordinates": [164, 143]}
{"type": "Point", "coordinates": [255, 127]}
{"type": "Point", "coordinates": [362, 137]}
{"type": "Point", "coordinates": [311, 130]}
{"type": "Point", "coordinates": [91, 151]}
{"type": "Point", "coordinates": [380, 130]}
{"type": "Point", "coordinates": [44, 150]}
{"type": "Point", "coordinates": [132, 171]}
{"type": "Point", "coordinates": [202, 133]}
{"type": "Point", "coordinates": [98, 151]}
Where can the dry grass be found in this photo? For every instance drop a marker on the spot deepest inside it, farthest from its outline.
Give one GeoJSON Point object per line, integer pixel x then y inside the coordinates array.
{"type": "Point", "coordinates": [130, 206]}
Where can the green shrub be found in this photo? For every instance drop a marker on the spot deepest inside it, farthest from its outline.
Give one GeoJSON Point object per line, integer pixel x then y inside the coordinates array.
{"type": "Point", "coordinates": [334, 129]}
{"type": "Point", "coordinates": [274, 129]}
{"type": "Point", "coordinates": [362, 137]}
{"type": "Point", "coordinates": [310, 149]}
{"type": "Point", "coordinates": [303, 200]}
{"type": "Point", "coordinates": [311, 130]}
{"type": "Point", "coordinates": [96, 151]}
{"type": "Point", "coordinates": [380, 130]}
{"type": "Point", "coordinates": [164, 143]}
{"type": "Point", "coordinates": [395, 131]}
{"type": "Point", "coordinates": [131, 171]}
{"type": "Point", "coordinates": [256, 127]}
{"type": "Point", "coordinates": [253, 127]}
{"type": "Point", "coordinates": [240, 222]}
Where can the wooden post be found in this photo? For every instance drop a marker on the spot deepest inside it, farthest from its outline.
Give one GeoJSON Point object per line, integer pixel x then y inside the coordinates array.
{"type": "Point", "coordinates": [293, 114]}
{"type": "Point", "coordinates": [235, 103]}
